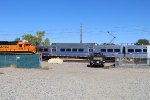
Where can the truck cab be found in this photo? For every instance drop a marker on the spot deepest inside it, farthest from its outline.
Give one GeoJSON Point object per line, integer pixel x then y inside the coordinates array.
{"type": "Point", "coordinates": [97, 59]}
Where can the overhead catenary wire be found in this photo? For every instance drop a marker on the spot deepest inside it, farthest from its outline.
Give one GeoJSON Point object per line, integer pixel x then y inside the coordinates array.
{"type": "Point", "coordinates": [112, 36]}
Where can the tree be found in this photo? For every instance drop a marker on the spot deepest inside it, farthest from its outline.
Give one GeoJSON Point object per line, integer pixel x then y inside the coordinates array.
{"type": "Point", "coordinates": [32, 39]}
{"type": "Point", "coordinates": [46, 42]}
{"type": "Point", "coordinates": [35, 40]}
{"type": "Point", "coordinates": [40, 35]}
{"type": "Point", "coordinates": [17, 39]}
{"type": "Point", "coordinates": [142, 42]}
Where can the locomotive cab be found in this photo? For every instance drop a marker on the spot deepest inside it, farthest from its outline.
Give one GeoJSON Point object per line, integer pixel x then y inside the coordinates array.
{"type": "Point", "coordinates": [25, 45]}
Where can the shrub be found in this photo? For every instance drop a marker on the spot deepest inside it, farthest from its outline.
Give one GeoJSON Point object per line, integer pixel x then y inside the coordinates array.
{"type": "Point", "coordinates": [1, 73]}
{"type": "Point", "coordinates": [13, 66]}
{"type": "Point", "coordinates": [45, 68]}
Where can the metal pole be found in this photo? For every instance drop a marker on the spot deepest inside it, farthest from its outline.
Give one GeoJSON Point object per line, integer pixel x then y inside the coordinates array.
{"type": "Point", "coordinates": [81, 34]}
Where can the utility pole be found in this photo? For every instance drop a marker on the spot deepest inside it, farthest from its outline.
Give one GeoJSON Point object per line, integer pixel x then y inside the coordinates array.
{"type": "Point", "coordinates": [81, 33]}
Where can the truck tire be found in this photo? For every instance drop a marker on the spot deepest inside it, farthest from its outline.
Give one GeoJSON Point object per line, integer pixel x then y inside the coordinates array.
{"type": "Point", "coordinates": [102, 65]}
{"type": "Point", "coordinates": [91, 64]}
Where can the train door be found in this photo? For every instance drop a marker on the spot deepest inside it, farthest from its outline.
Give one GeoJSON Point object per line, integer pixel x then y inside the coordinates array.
{"type": "Point", "coordinates": [124, 51]}
{"type": "Point", "coordinates": [91, 50]}
{"type": "Point", "coordinates": [53, 51]}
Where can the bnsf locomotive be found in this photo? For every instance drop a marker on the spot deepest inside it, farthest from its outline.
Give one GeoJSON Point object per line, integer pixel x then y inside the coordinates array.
{"type": "Point", "coordinates": [16, 47]}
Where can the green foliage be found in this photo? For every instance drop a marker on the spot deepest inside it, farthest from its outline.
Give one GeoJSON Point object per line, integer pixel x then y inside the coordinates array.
{"type": "Point", "coordinates": [40, 35]}
{"type": "Point", "coordinates": [142, 42]}
{"type": "Point", "coordinates": [45, 68]}
{"type": "Point", "coordinates": [32, 39]}
{"type": "Point", "coordinates": [46, 42]}
{"type": "Point", "coordinates": [17, 39]}
{"type": "Point", "coordinates": [36, 40]}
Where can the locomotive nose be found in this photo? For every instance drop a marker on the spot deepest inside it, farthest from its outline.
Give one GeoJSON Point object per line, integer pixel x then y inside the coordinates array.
{"type": "Point", "coordinates": [33, 49]}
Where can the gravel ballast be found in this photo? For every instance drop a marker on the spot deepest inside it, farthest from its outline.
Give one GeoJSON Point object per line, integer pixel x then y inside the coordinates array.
{"type": "Point", "coordinates": [75, 81]}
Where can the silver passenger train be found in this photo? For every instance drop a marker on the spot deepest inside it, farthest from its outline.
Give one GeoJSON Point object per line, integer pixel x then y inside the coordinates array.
{"type": "Point", "coordinates": [83, 50]}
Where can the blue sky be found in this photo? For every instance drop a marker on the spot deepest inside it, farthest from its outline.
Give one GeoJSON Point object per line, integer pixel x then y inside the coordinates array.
{"type": "Point", "coordinates": [128, 20]}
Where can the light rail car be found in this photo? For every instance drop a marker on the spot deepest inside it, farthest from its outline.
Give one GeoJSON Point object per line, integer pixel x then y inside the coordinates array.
{"type": "Point", "coordinates": [77, 50]}
{"type": "Point", "coordinates": [137, 51]}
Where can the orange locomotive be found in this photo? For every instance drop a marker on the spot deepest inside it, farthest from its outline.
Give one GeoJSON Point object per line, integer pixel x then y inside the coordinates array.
{"type": "Point", "coordinates": [16, 47]}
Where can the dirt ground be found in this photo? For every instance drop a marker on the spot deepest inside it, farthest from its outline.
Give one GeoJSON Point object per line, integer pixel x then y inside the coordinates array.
{"type": "Point", "coordinates": [74, 81]}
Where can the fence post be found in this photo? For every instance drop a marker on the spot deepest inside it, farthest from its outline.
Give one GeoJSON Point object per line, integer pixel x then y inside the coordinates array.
{"type": "Point", "coordinates": [5, 61]}
{"type": "Point", "coordinates": [148, 61]}
{"type": "Point", "coordinates": [116, 60]}
{"type": "Point", "coordinates": [16, 60]}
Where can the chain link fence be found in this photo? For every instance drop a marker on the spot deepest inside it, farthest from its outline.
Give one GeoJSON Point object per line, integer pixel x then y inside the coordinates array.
{"type": "Point", "coordinates": [132, 60]}
{"type": "Point", "coordinates": [20, 60]}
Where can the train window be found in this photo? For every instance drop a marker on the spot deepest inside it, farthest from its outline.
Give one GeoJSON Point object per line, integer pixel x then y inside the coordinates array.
{"type": "Point", "coordinates": [68, 50]}
{"type": "Point", "coordinates": [27, 44]}
{"type": "Point", "coordinates": [45, 49]}
{"type": "Point", "coordinates": [138, 50]}
{"type": "Point", "coordinates": [116, 50]}
{"type": "Point", "coordinates": [144, 50]}
{"type": "Point", "coordinates": [40, 49]}
{"type": "Point", "coordinates": [74, 50]}
{"type": "Point", "coordinates": [130, 50]}
{"type": "Point", "coordinates": [80, 50]}
{"type": "Point", "coordinates": [103, 50]}
{"type": "Point", "coordinates": [109, 50]}
{"type": "Point", "coordinates": [20, 45]}
{"type": "Point", "coordinates": [90, 49]}
{"type": "Point", "coordinates": [53, 49]}
{"type": "Point", "coordinates": [62, 50]}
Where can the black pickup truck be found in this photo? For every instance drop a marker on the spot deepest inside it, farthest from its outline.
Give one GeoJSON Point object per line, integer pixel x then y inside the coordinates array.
{"type": "Point", "coordinates": [96, 59]}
